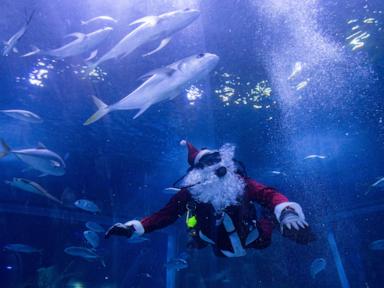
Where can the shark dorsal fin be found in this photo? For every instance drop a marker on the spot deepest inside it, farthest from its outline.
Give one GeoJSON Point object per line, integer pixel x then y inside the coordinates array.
{"type": "Point", "coordinates": [147, 19]}
{"type": "Point", "coordinates": [41, 146]}
{"type": "Point", "coordinates": [164, 70]}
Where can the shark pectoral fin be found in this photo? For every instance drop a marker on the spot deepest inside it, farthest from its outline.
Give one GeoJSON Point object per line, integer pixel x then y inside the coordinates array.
{"type": "Point", "coordinates": [146, 19]}
{"type": "Point", "coordinates": [43, 175]}
{"type": "Point", "coordinates": [174, 95]}
{"type": "Point", "coordinates": [163, 43]}
{"type": "Point", "coordinates": [35, 50]}
{"type": "Point", "coordinates": [77, 35]}
{"type": "Point", "coordinates": [91, 56]}
{"type": "Point", "coordinates": [142, 110]}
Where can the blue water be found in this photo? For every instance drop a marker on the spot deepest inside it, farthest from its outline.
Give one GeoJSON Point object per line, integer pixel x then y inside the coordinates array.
{"type": "Point", "coordinates": [276, 115]}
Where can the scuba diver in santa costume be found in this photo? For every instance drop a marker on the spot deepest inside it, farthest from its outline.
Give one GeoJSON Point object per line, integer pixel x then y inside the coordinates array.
{"type": "Point", "coordinates": [219, 200]}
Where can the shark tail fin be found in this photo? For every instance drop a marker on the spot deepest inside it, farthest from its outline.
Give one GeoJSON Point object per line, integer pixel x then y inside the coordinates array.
{"type": "Point", "coordinates": [103, 110]}
{"type": "Point", "coordinates": [6, 149]}
{"type": "Point", "coordinates": [35, 50]}
{"type": "Point", "coordinates": [142, 110]}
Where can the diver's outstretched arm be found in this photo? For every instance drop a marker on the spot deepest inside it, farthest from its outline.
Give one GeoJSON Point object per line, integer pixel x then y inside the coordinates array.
{"type": "Point", "coordinates": [164, 217]}
{"type": "Point", "coordinates": [288, 214]}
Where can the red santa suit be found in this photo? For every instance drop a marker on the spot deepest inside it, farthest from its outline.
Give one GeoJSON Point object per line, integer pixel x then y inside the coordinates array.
{"type": "Point", "coordinates": [242, 215]}
{"type": "Point", "coordinates": [209, 228]}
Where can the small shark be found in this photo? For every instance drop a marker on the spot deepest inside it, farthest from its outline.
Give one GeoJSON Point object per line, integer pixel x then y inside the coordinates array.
{"type": "Point", "coordinates": [39, 158]}
{"type": "Point", "coordinates": [22, 248]}
{"type": "Point", "coordinates": [85, 253]}
{"type": "Point", "coordinates": [82, 44]}
{"type": "Point", "coordinates": [162, 84]}
{"type": "Point", "coordinates": [30, 186]}
{"type": "Point", "coordinates": [315, 156]}
{"type": "Point", "coordinates": [152, 28]}
{"type": "Point", "coordinates": [102, 18]}
{"type": "Point", "coordinates": [10, 45]}
{"type": "Point", "coordinates": [23, 115]}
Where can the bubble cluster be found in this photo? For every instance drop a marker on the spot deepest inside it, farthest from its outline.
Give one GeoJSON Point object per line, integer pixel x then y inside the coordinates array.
{"type": "Point", "coordinates": [233, 91]}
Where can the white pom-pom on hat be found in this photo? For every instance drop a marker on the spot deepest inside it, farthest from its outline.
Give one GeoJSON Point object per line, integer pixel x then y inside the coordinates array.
{"type": "Point", "coordinates": [183, 142]}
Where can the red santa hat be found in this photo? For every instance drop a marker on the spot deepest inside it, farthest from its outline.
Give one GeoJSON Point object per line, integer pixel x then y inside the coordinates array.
{"type": "Point", "coordinates": [194, 154]}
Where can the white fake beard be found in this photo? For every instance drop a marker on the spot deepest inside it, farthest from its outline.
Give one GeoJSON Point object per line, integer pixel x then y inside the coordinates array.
{"type": "Point", "coordinates": [220, 192]}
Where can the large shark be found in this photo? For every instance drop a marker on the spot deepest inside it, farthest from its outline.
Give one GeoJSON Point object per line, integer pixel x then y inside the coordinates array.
{"type": "Point", "coordinates": [10, 45]}
{"type": "Point", "coordinates": [40, 158]}
{"type": "Point", "coordinates": [152, 28]}
{"type": "Point", "coordinates": [162, 84]}
{"type": "Point", "coordinates": [82, 44]}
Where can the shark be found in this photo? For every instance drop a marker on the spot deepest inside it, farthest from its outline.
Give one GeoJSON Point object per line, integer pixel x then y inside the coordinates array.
{"type": "Point", "coordinates": [161, 84]}
{"type": "Point", "coordinates": [151, 28]}
{"type": "Point", "coordinates": [10, 45]}
{"type": "Point", "coordinates": [82, 43]}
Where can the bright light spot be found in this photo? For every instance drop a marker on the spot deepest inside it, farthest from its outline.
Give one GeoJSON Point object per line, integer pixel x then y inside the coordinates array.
{"type": "Point", "coordinates": [302, 84]}
{"type": "Point", "coordinates": [39, 73]}
{"type": "Point", "coordinates": [8, 267]}
{"type": "Point", "coordinates": [232, 92]}
{"type": "Point", "coordinates": [352, 21]}
{"type": "Point", "coordinates": [193, 94]}
{"type": "Point", "coordinates": [296, 70]}
{"type": "Point", "coordinates": [364, 27]}
{"type": "Point", "coordinates": [96, 74]}
{"type": "Point", "coordinates": [369, 20]}
{"type": "Point", "coordinates": [77, 285]}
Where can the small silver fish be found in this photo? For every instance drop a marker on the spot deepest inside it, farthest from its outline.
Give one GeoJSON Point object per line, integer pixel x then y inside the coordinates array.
{"type": "Point", "coordinates": [93, 226]}
{"type": "Point", "coordinates": [379, 183]}
{"type": "Point", "coordinates": [84, 253]}
{"type": "Point", "coordinates": [30, 186]}
{"type": "Point", "coordinates": [103, 18]}
{"type": "Point", "coordinates": [92, 238]}
{"type": "Point", "coordinates": [136, 240]}
{"type": "Point", "coordinates": [278, 173]}
{"type": "Point", "coordinates": [171, 190]}
{"type": "Point", "coordinates": [87, 205]}
{"type": "Point", "coordinates": [317, 266]}
{"type": "Point", "coordinates": [23, 115]}
{"type": "Point", "coordinates": [176, 264]}
{"type": "Point", "coordinates": [377, 245]}
{"type": "Point", "coordinates": [22, 248]}
{"type": "Point", "coordinates": [315, 156]}
{"type": "Point", "coordinates": [39, 158]}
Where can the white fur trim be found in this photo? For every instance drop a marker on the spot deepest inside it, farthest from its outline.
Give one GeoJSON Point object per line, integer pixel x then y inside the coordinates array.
{"type": "Point", "coordinates": [295, 206]}
{"type": "Point", "coordinates": [183, 142]}
{"type": "Point", "coordinates": [139, 228]}
{"type": "Point", "coordinates": [202, 153]}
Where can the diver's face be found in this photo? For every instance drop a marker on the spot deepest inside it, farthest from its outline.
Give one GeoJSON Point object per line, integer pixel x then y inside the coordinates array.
{"type": "Point", "coordinates": [211, 160]}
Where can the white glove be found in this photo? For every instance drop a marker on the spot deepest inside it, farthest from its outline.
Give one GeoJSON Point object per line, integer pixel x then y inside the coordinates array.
{"type": "Point", "coordinates": [290, 214]}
